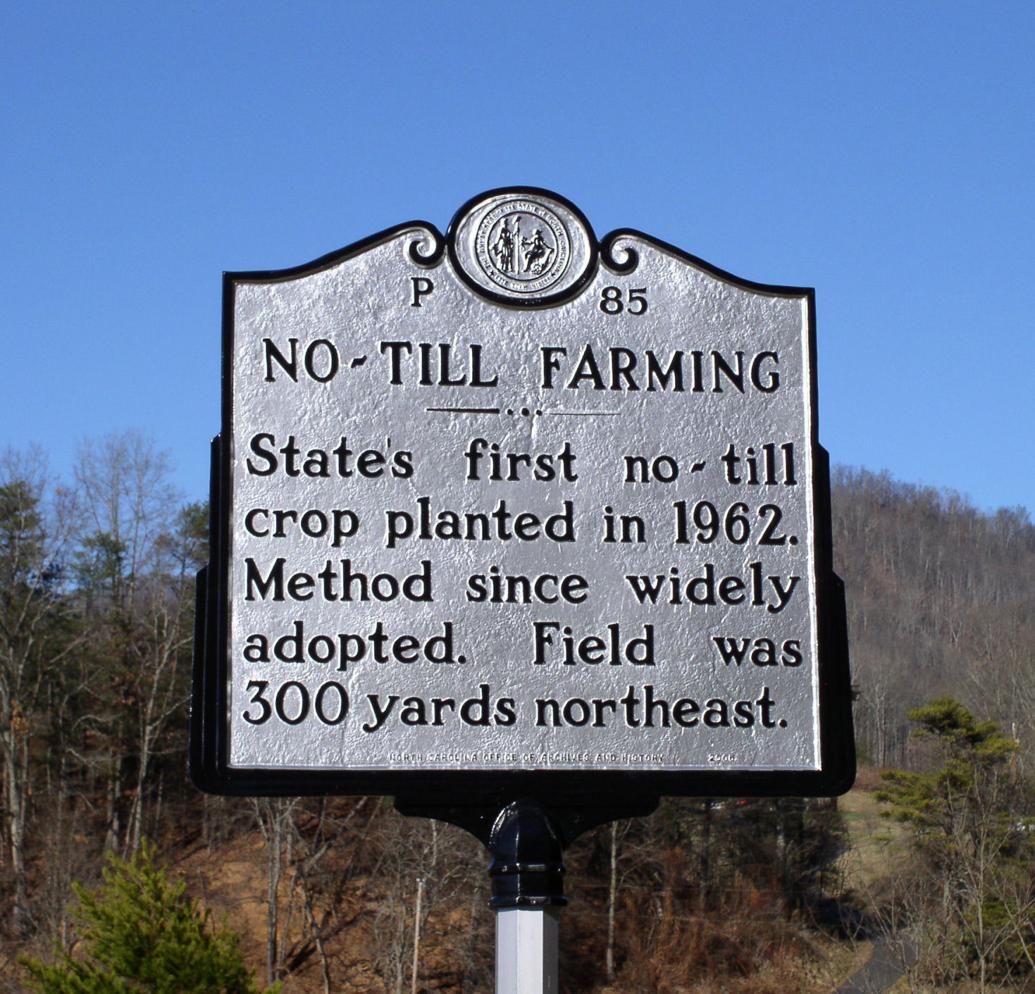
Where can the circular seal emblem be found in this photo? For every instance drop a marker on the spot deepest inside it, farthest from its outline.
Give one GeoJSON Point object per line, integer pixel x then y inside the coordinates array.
{"type": "Point", "coordinates": [522, 246]}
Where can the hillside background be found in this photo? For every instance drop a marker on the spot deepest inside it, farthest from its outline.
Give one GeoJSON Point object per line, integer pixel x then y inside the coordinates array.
{"type": "Point", "coordinates": [96, 611]}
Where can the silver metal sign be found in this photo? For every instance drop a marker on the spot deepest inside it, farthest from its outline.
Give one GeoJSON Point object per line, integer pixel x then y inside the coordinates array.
{"type": "Point", "coordinates": [516, 500]}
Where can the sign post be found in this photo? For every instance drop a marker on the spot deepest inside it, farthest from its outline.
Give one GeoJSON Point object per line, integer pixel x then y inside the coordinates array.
{"type": "Point", "coordinates": [524, 528]}
{"type": "Point", "coordinates": [527, 891]}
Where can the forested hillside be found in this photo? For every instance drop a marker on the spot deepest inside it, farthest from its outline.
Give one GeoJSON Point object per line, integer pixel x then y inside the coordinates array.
{"type": "Point", "coordinates": [941, 601]}
{"type": "Point", "coordinates": [96, 602]}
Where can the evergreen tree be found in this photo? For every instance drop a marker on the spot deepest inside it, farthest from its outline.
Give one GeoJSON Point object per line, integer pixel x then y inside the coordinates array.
{"type": "Point", "coordinates": [141, 933]}
{"type": "Point", "coordinates": [969, 816]}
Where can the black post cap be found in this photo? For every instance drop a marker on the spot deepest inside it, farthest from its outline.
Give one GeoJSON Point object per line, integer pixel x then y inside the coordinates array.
{"type": "Point", "coordinates": [527, 867]}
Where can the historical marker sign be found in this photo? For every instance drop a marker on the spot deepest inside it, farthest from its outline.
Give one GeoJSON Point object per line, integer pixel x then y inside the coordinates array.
{"type": "Point", "coordinates": [510, 508]}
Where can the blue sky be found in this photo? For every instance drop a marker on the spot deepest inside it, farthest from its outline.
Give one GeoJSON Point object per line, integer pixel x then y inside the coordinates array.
{"type": "Point", "coordinates": [883, 153]}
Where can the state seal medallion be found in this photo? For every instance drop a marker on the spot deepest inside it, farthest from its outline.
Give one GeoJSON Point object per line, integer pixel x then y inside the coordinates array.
{"type": "Point", "coordinates": [522, 247]}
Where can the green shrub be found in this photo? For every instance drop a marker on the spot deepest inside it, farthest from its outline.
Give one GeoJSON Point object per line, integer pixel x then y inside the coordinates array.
{"type": "Point", "coordinates": [141, 934]}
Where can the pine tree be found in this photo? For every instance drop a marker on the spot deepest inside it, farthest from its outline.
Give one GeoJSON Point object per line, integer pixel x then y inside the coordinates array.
{"type": "Point", "coordinates": [968, 786]}
{"type": "Point", "coordinates": [973, 853]}
{"type": "Point", "coordinates": [141, 933]}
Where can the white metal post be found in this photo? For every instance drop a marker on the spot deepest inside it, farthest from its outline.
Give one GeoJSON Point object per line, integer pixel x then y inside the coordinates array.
{"type": "Point", "coordinates": [526, 951]}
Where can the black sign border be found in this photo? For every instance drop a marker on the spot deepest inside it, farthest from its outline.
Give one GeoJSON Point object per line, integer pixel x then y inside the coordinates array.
{"type": "Point", "coordinates": [477, 790]}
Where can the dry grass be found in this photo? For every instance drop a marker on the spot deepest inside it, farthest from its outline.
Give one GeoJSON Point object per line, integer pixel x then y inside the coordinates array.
{"type": "Point", "coordinates": [877, 844]}
{"type": "Point", "coordinates": [836, 961]}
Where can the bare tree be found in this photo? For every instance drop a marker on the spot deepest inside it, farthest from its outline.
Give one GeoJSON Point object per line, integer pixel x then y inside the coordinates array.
{"type": "Point", "coordinates": [33, 541]}
{"type": "Point", "coordinates": [422, 866]}
{"type": "Point", "coordinates": [317, 876]}
{"type": "Point", "coordinates": [136, 561]}
{"type": "Point", "coordinates": [275, 819]}
{"type": "Point", "coordinates": [165, 624]}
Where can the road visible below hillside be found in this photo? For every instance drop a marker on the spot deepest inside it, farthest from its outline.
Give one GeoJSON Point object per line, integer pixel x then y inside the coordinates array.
{"type": "Point", "coordinates": [890, 959]}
